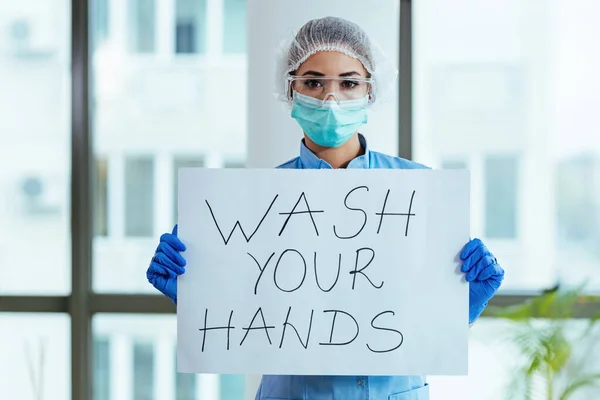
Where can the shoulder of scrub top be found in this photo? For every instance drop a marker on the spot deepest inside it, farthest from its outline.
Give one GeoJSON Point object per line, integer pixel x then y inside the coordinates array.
{"type": "Point", "coordinates": [291, 164]}
{"type": "Point", "coordinates": [384, 161]}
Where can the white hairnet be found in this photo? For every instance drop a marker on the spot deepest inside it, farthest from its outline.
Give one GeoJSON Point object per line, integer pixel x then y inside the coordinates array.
{"type": "Point", "coordinates": [334, 34]}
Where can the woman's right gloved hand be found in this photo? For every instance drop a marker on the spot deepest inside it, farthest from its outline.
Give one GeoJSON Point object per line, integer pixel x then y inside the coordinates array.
{"type": "Point", "coordinates": [167, 264]}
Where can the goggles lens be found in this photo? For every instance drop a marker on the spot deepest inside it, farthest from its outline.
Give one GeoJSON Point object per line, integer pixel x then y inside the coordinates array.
{"type": "Point", "coordinates": [322, 88]}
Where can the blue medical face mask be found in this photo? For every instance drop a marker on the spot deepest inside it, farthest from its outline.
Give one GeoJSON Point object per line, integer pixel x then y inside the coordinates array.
{"type": "Point", "coordinates": [329, 123]}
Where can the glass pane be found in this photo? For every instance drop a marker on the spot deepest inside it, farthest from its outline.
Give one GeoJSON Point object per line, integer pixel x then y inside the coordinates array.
{"type": "Point", "coordinates": [182, 162]}
{"type": "Point", "coordinates": [154, 111]}
{"type": "Point", "coordinates": [142, 24]}
{"type": "Point", "coordinates": [234, 26]}
{"type": "Point", "coordinates": [232, 386]}
{"type": "Point", "coordinates": [234, 164]}
{"type": "Point", "coordinates": [190, 25]}
{"type": "Point", "coordinates": [136, 359]}
{"type": "Point", "coordinates": [101, 369]}
{"type": "Point", "coordinates": [518, 102]}
{"type": "Point", "coordinates": [143, 370]}
{"type": "Point", "coordinates": [101, 198]}
{"type": "Point", "coordinates": [186, 385]}
{"type": "Point", "coordinates": [139, 202]}
{"type": "Point", "coordinates": [454, 164]}
{"type": "Point", "coordinates": [35, 133]}
{"type": "Point", "coordinates": [35, 361]}
{"type": "Point", "coordinates": [501, 181]}
{"type": "Point", "coordinates": [99, 20]}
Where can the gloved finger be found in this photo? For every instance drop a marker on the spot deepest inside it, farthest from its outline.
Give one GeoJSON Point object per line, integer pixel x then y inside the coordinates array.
{"type": "Point", "coordinates": [168, 287]}
{"type": "Point", "coordinates": [158, 270]}
{"type": "Point", "coordinates": [479, 293]}
{"type": "Point", "coordinates": [490, 287]}
{"type": "Point", "coordinates": [498, 275]}
{"type": "Point", "coordinates": [171, 253]}
{"type": "Point", "coordinates": [158, 284]}
{"type": "Point", "coordinates": [157, 279]}
{"type": "Point", "coordinates": [169, 265]}
{"type": "Point", "coordinates": [470, 247]}
{"type": "Point", "coordinates": [474, 251]}
{"type": "Point", "coordinates": [174, 230]}
{"type": "Point", "coordinates": [474, 258]}
{"type": "Point", "coordinates": [484, 262]}
{"type": "Point", "coordinates": [173, 240]}
{"type": "Point", "coordinates": [163, 279]}
{"type": "Point", "coordinates": [489, 271]}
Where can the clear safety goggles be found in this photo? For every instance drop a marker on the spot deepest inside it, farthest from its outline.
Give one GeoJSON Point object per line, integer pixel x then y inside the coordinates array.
{"type": "Point", "coordinates": [331, 88]}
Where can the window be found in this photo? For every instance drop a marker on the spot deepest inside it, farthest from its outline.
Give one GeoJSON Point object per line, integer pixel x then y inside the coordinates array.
{"type": "Point", "coordinates": [185, 384]}
{"type": "Point", "coordinates": [517, 101]}
{"type": "Point", "coordinates": [182, 162]}
{"type": "Point", "coordinates": [35, 351]}
{"type": "Point", "coordinates": [148, 114]}
{"type": "Point", "coordinates": [142, 26]}
{"type": "Point", "coordinates": [190, 26]}
{"type": "Point", "coordinates": [517, 87]}
{"type": "Point", "coordinates": [232, 387]}
{"type": "Point", "coordinates": [454, 164]}
{"type": "Point", "coordinates": [101, 198]}
{"type": "Point", "coordinates": [139, 196]}
{"type": "Point", "coordinates": [143, 371]}
{"type": "Point", "coordinates": [20, 34]}
{"type": "Point", "coordinates": [186, 37]}
{"type": "Point", "coordinates": [34, 167]}
{"type": "Point", "coordinates": [578, 202]}
{"type": "Point", "coordinates": [501, 182]}
{"type": "Point", "coordinates": [99, 21]}
{"type": "Point", "coordinates": [234, 26]}
{"type": "Point", "coordinates": [101, 369]}
{"type": "Point", "coordinates": [234, 164]}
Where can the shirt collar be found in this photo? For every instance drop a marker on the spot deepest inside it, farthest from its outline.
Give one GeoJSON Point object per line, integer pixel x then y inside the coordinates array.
{"type": "Point", "coordinates": [309, 159]}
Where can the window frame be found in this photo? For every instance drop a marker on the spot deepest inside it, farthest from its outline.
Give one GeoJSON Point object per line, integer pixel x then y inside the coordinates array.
{"type": "Point", "coordinates": [83, 303]}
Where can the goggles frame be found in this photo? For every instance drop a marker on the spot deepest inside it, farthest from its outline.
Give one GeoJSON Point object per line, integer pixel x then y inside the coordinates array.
{"type": "Point", "coordinates": [293, 78]}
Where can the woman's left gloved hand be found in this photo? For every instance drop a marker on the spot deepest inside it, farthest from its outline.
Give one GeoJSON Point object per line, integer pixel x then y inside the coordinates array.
{"type": "Point", "coordinates": [484, 275]}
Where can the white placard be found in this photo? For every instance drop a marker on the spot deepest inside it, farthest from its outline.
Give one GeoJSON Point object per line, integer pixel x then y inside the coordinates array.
{"type": "Point", "coordinates": [323, 272]}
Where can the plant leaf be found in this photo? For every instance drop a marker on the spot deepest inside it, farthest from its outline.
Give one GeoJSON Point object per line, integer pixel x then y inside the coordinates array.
{"type": "Point", "coordinates": [588, 380]}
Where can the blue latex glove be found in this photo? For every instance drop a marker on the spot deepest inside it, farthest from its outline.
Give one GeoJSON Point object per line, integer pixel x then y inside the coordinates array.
{"type": "Point", "coordinates": [483, 274]}
{"type": "Point", "coordinates": [167, 264]}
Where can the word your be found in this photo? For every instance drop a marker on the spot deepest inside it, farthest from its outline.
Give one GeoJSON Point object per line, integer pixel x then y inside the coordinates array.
{"type": "Point", "coordinates": [295, 253]}
{"type": "Point", "coordinates": [308, 211]}
{"type": "Point", "coordinates": [262, 326]}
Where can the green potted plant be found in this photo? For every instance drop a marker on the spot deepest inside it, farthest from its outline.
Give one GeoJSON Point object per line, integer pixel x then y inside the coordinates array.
{"type": "Point", "coordinates": [553, 363]}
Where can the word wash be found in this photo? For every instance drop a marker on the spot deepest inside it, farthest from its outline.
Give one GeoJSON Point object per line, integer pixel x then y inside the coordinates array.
{"type": "Point", "coordinates": [289, 270]}
{"type": "Point", "coordinates": [308, 211]}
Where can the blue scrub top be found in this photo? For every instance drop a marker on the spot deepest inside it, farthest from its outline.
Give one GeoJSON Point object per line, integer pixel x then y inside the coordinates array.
{"type": "Point", "coordinates": [298, 387]}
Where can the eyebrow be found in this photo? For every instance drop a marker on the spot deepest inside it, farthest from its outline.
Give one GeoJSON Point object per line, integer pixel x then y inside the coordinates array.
{"type": "Point", "coordinates": [315, 73]}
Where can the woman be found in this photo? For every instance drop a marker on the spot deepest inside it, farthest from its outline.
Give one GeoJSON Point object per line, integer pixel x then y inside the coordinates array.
{"type": "Point", "coordinates": [330, 79]}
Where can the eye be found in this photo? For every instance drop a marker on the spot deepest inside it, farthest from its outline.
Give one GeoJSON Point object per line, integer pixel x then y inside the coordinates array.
{"type": "Point", "coordinates": [313, 83]}
{"type": "Point", "coordinates": [349, 84]}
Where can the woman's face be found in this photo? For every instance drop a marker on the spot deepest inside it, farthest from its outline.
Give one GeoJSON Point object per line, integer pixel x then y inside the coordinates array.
{"type": "Point", "coordinates": [332, 64]}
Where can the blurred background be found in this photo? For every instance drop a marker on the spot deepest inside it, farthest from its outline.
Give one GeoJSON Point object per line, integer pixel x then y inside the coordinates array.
{"type": "Point", "coordinates": [507, 89]}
